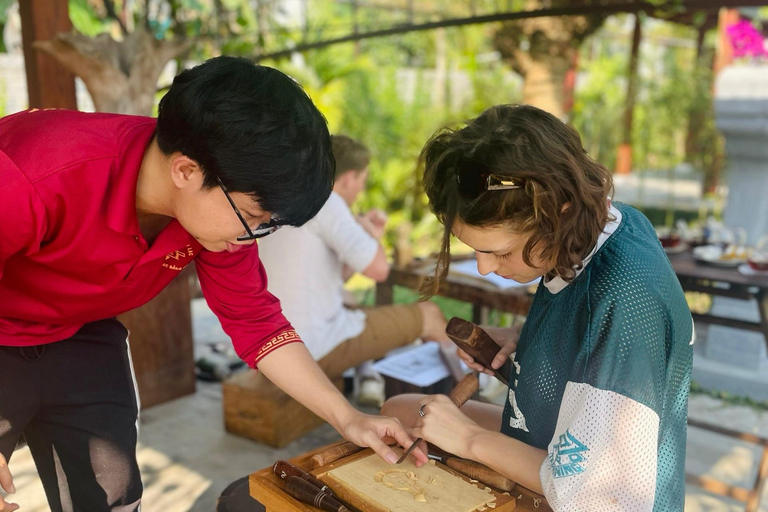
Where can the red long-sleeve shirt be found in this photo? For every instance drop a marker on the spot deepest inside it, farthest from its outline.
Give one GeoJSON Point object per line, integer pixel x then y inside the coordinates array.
{"type": "Point", "coordinates": [70, 247]}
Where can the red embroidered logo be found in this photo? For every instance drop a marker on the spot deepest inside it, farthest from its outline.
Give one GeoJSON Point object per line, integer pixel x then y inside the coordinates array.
{"type": "Point", "coordinates": [178, 255]}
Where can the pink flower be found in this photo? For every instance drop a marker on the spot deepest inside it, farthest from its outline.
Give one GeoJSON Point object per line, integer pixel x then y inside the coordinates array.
{"type": "Point", "coordinates": [746, 40]}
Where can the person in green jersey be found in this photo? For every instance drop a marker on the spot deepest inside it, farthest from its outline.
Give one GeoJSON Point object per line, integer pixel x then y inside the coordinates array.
{"type": "Point", "coordinates": [597, 408]}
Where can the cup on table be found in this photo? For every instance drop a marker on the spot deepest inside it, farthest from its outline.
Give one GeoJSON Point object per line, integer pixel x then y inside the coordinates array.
{"type": "Point", "coordinates": [758, 258]}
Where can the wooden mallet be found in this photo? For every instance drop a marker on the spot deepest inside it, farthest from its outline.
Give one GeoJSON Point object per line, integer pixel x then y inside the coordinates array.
{"type": "Point", "coordinates": [477, 343]}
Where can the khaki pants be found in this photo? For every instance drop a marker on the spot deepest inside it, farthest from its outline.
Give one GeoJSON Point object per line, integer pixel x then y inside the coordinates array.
{"type": "Point", "coordinates": [386, 328]}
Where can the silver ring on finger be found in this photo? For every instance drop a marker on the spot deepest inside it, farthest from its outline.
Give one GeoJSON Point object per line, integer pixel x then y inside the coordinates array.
{"type": "Point", "coordinates": [421, 411]}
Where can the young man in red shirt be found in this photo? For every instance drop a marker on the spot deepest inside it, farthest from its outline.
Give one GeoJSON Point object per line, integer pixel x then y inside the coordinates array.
{"type": "Point", "coordinates": [99, 212]}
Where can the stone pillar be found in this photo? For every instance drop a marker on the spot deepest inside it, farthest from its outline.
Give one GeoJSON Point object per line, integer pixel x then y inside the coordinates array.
{"type": "Point", "coordinates": [735, 360]}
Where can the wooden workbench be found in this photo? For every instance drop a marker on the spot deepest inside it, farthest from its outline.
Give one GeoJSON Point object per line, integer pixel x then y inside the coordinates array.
{"type": "Point", "coordinates": [267, 488]}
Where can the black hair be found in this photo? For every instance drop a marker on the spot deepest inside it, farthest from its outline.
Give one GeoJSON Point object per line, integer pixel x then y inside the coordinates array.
{"type": "Point", "coordinates": [254, 128]}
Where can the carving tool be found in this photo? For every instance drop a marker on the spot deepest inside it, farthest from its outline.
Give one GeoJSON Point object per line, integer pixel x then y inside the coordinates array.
{"type": "Point", "coordinates": [460, 394]}
{"type": "Point", "coordinates": [477, 343]}
{"type": "Point", "coordinates": [308, 493]}
{"type": "Point", "coordinates": [334, 454]}
{"type": "Point", "coordinates": [452, 362]}
{"type": "Point", "coordinates": [285, 469]}
{"type": "Point", "coordinates": [475, 470]}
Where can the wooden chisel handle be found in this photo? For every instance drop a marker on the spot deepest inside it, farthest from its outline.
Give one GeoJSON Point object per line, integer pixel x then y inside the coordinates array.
{"type": "Point", "coordinates": [459, 396]}
{"type": "Point", "coordinates": [464, 389]}
{"type": "Point", "coordinates": [284, 470]}
{"type": "Point", "coordinates": [308, 493]}
{"type": "Point", "coordinates": [334, 454]}
{"type": "Point", "coordinates": [477, 343]}
{"type": "Point", "coordinates": [480, 472]}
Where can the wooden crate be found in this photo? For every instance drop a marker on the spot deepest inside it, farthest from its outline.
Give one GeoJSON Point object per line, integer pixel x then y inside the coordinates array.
{"type": "Point", "coordinates": [265, 413]}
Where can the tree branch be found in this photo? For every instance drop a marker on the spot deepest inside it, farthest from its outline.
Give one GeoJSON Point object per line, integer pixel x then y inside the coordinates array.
{"type": "Point", "coordinates": [109, 6]}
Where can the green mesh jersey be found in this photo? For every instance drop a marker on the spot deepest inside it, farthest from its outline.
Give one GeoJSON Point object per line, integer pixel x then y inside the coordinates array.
{"type": "Point", "coordinates": [603, 369]}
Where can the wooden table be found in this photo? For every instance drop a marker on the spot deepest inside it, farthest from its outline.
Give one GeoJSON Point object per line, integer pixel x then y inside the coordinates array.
{"type": "Point", "coordinates": [693, 276]}
{"type": "Point", "coordinates": [728, 282]}
{"type": "Point", "coordinates": [267, 488]}
{"type": "Point", "coordinates": [723, 282]}
{"type": "Point", "coordinates": [476, 291]}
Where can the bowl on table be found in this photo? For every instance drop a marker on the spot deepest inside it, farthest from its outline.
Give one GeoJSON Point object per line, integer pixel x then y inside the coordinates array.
{"type": "Point", "coordinates": [730, 256]}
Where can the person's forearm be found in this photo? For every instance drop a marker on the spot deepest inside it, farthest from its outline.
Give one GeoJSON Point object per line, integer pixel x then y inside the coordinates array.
{"type": "Point", "coordinates": [346, 273]}
{"type": "Point", "coordinates": [512, 458]}
{"type": "Point", "coordinates": [292, 369]}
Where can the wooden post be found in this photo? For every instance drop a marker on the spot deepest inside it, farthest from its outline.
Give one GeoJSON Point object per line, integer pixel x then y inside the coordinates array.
{"type": "Point", "coordinates": [385, 293]}
{"type": "Point", "coordinates": [624, 159]}
{"type": "Point", "coordinates": [569, 85]}
{"type": "Point", "coordinates": [48, 83]}
{"type": "Point", "coordinates": [724, 52]}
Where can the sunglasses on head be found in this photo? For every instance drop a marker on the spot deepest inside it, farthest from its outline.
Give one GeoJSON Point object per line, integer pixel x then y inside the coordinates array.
{"type": "Point", "coordinates": [474, 178]}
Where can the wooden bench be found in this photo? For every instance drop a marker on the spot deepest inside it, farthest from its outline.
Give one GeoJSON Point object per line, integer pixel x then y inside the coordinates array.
{"type": "Point", "coordinates": [256, 409]}
{"type": "Point", "coordinates": [750, 497]}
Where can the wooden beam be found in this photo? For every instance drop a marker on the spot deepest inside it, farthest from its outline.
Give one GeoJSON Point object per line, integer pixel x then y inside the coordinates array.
{"type": "Point", "coordinates": [709, 484]}
{"type": "Point", "coordinates": [577, 9]}
{"type": "Point", "coordinates": [48, 83]}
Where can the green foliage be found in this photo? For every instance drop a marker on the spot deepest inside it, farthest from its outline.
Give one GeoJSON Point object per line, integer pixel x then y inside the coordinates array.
{"type": "Point", "coordinates": [85, 20]}
{"type": "Point", "coordinates": [387, 93]}
{"type": "Point", "coordinates": [599, 106]}
{"type": "Point", "coordinates": [3, 97]}
{"type": "Point", "coordinates": [729, 398]}
{"type": "Point", "coordinates": [4, 6]}
{"type": "Point", "coordinates": [449, 307]}
{"type": "Point", "coordinates": [673, 115]}
{"type": "Point", "coordinates": [375, 96]}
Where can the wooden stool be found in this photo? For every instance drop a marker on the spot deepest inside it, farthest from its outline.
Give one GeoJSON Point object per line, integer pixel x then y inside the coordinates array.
{"type": "Point", "coordinates": [257, 409]}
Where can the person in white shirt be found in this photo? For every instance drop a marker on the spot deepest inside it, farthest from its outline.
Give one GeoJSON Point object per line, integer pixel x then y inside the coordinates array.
{"type": "Point", "coordinates": [307, 267]}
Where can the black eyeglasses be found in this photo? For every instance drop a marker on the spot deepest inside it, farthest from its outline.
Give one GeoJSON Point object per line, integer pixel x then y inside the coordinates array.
{"type": "Point", "coordinates": [474, 178]}
{"type": "Point", "coordinates": [265, 229]}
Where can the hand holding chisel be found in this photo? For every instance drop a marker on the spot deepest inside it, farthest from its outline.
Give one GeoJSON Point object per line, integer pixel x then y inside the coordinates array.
{"type": "Point", "coordinates": [460, 394]}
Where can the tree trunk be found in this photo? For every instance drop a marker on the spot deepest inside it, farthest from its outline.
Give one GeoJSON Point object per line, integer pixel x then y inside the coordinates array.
{"type": "Point", "coordinates": [542, 50]}
{"type": "Point", "coordinates": [121, 76]}
{"type": "Point", "coordinates": [543, 87]}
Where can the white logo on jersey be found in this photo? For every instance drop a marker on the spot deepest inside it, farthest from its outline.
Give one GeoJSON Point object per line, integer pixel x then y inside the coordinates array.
{"type": "Point", "coordinates": [519, 420]}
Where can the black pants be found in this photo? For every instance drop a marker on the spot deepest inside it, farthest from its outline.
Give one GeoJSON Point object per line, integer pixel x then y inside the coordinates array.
{"type": "Point", "coordinates": [76, 404]}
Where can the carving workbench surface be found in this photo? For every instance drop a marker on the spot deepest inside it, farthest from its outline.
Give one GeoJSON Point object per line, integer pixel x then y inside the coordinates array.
{"type": "Point", "coordinates": [406, 488]}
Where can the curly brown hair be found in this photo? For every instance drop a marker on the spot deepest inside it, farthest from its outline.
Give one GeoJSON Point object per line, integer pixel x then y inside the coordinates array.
{"type": "Point", "coordinates": [562, 203]}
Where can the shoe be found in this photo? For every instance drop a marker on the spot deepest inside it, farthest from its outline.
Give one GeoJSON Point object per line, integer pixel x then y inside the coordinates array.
{"type": "Point", "coordinates": [371, 392]}
{"type": "Point", "coordinates": [492, 390]}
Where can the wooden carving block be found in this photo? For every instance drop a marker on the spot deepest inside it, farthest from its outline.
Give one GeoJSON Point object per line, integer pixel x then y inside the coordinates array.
{"type": "Point", "coordinates": [371, 485]}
